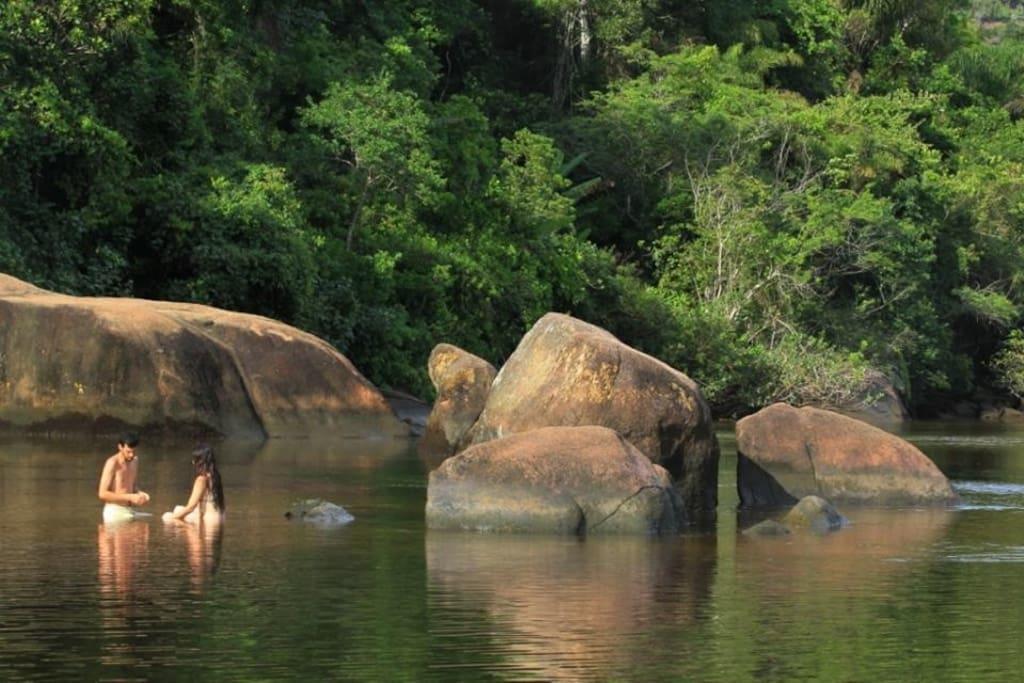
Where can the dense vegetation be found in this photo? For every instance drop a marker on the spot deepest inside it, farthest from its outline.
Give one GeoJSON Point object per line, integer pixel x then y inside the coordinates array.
{"type": "Point", "coordinates": [784, 198]}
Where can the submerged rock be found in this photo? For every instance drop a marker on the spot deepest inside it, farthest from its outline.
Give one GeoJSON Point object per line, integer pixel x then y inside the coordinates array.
{"type": "Point", "coordinates": [462, 381]}
{"type": "Point", "coordinates": [319, 511]}
{"type": "Point", "coordinates": [786, 453]}
{"type": "Point", "coordinates": [814, 513]}
{"type": "Point", "coordinates": [86, 364]}
{"type": "Point", "coordinates": [568, 480]}
{"type": "Point", "coordinates": [811, 513]}
{"type": "Point", "coordinates": [768, 527]}
{"type": "Point", "coordinates": [566, 372]}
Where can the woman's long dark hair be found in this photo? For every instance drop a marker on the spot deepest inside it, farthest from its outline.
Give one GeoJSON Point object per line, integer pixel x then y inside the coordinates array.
{"type": "Point", "coordinates": [205, 463]}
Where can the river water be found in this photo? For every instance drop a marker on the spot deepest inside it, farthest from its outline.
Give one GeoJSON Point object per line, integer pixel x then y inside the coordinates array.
{"type": "Point", "coordinates": [913, 594]}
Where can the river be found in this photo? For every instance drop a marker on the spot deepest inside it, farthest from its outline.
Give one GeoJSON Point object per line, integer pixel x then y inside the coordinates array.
{"type": "Point", "coordinates": [913, 594]}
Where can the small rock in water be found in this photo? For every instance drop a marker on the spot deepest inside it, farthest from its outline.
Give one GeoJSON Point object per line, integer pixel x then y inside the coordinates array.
{"type": "Point", "coordinates": [768, 527]}
{"type": "Point", "coordinates": [319, 511]}
{"type": "Point", "coordinates": [815, 513]}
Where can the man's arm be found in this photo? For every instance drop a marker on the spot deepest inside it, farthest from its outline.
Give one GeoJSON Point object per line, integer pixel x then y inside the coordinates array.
{"type": "Point", "coordinates": [108, 496]}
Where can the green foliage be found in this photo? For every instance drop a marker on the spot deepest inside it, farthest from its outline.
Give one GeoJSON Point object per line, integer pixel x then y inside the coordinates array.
{"type": "Point", "coordinates": [780, 197]}
{"type": "Point", "coordinates": [253, 251]}
{"type": "Point", "coordinates": [1008, 365]}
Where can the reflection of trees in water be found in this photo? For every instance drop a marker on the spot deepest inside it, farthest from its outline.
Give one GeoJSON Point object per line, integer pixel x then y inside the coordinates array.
{"type": "Point", "coordinates": [563, 608]}
{"type": "Point", "coordinates": [832, 591]}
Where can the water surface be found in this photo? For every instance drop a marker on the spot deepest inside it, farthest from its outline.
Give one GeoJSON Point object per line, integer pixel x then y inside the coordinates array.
{"type": "Point", "coordinates": [913, 594]}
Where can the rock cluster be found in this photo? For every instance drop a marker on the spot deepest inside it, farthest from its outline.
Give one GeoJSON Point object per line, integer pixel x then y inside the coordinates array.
{"type": "Point", "coordinates": [550, 443]}
{"type": "Point", "coordinates": [567, 373]}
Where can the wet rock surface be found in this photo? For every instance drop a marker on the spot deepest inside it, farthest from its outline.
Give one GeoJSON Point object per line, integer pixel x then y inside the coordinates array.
{"type": "Point", "coordinates": [318, 511]}
{"type": "Point", "coordinates": [566, 480]}
{"type": "Point", "coordinates": [786, 453]}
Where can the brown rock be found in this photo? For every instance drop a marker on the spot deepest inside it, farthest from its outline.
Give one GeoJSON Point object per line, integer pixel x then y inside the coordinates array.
{"type": "Point", "coordinates": [768, 527]}
{"type": "Point", "coordinates": [568, 372]}
{"type": "Point", "coordinates": [100, 364]}
{"type": "Point", "coordinates": [815, 513]}
{"type": "Point", "coordinates": [462, 381]}
{"type": "Point", "coordinates": [1001, 414]}
{"type": "Point", "coordinates": [785, 453]}
{"type": "Point", "coordinates": [879, 403]}
{"type": "Point", "coordinates": [569, 480]}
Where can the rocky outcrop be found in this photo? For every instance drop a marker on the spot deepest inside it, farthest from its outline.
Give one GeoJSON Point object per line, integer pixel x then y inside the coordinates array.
{"type": "Point", "coordinates": [786, 453]}
{"type": "Point", "coordinates": [83, 364]}
{"type": "Point", "coordinates": [462, 381]}
{"type": "Point", "coordinates": [568, 480]}
{"type": "Point", "coordinates": [566, 372]}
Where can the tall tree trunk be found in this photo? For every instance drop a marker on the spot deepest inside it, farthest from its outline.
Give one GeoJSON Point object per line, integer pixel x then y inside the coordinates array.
{"type": "Point", "coordinates": [574, 33]}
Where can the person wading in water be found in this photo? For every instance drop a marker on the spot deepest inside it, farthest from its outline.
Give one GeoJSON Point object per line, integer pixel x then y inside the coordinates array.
{"type": "Point", "coordinates": [119, 481]}
{"type": "Point", "coordinates": [206, 504]}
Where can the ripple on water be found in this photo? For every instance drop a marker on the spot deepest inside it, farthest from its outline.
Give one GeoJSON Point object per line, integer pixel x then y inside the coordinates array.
{"type": "Point", "coordinates": [1002, 554]}
{"type": "Point", "coordinates": [990, 496]}
{"type": "Point", "coordinates": [990, 488]}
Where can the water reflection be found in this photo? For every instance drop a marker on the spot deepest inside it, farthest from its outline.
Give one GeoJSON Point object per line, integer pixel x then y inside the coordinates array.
{"type": "Point", "coordinates": [854, 559]}
{"type": "Point", "coordinates": [123, 548]}
{"type": "Point", "coordinates": [123, 552]}
{"type": "Point", "coordinates": [558, 608]}
{"type": "Point", "coordinates": [202, 549]}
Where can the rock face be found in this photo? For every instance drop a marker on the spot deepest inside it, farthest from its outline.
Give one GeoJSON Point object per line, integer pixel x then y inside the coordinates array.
{"type": "Point", "coordinates": [567, 480]}
{"type": "Point", "coordinates": [566, 372]}
{"type": "Point", "coordinates": [97, 364]}
{"type": "Point", "coordinates": [462, 381]}
{"type": "Point", "coordinates": [785, 453]}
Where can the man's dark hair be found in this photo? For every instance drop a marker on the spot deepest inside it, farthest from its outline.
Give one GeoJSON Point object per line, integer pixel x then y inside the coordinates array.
{"type": "Point", "coordinates": [129, 439]}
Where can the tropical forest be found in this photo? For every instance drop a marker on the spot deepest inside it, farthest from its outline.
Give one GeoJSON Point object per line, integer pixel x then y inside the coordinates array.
{"type": "Point", "coordinates": [789, 200]}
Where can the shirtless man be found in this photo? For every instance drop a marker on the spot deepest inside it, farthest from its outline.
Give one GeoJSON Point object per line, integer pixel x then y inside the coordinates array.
{"type": "Point", "coordinates": [118, 483]}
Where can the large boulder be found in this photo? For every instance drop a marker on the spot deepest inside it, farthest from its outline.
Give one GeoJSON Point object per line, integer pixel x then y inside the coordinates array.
{"type": "Point", "coordinates": [102, 364]}
{"type": "Point", "coordinates": [462, 381]}
{"type": "Point", "coordinates": [786, 453]}
{"type": "Point", "coordinates": [568, 480]}
{"type": "Point", "coordinates": [567, 372]}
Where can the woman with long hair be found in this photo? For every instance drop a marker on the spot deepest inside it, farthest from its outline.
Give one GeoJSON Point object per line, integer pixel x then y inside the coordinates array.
{"type": "Point", "coordinates": [206, 504]}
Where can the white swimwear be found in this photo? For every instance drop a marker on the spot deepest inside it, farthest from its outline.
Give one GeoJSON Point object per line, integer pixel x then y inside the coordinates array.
{"type": "Point", "coordinates": [112, 512]}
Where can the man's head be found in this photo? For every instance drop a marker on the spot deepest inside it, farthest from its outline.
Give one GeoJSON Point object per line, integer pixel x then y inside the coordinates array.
{"type": "Point", "coordinates": [126, 445]}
